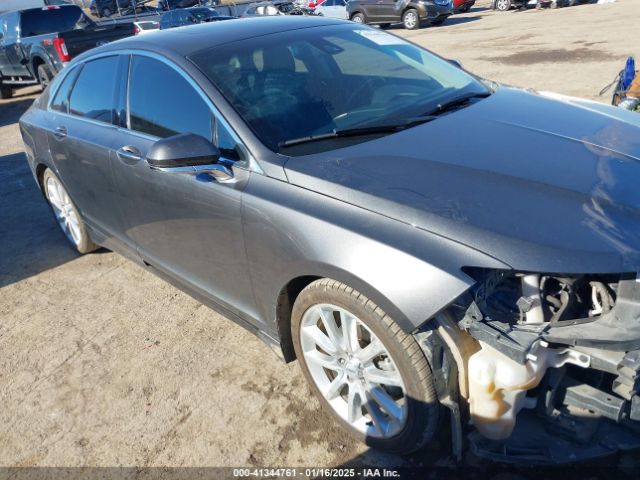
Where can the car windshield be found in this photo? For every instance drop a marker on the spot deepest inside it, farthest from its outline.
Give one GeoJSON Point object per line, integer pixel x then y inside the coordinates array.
{"type": "Point", "coordinates": [312, 82]}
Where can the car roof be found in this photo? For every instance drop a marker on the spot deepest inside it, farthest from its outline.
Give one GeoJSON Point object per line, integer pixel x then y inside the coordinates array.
{"type": "Point", "coordinates": [186, 41]}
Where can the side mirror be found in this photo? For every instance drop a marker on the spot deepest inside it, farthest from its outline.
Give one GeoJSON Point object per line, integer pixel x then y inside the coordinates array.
{"type": "Point", "coordinates": [184, 153]}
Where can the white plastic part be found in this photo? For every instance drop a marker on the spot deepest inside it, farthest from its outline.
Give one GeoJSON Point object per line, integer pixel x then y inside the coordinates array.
{"type": "Point", "coordinates": [498, 384]}
{"type": "Point", "coordinates": [531, 291]}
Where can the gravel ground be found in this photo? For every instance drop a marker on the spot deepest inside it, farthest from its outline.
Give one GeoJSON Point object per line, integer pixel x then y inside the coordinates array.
{"type": "Point", "coordinates": [103, 364]}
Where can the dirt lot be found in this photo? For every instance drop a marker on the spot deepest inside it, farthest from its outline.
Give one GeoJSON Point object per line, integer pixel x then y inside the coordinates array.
{"type": "Point", "coordinates": [101, 363]}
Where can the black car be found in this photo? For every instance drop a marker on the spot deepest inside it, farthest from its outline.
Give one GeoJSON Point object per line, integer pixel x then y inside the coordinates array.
{"type": "Point", "coordinates": [298, 174]}
{"type": "Point", "coordinates": [412, 13]}
{"type": "Point", "coordinates": [190, 16]}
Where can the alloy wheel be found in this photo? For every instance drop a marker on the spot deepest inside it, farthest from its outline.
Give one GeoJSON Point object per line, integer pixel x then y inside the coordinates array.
{"type": "Point", "coordinates": [64, 210]}
{"type": "Point", "coordinates": [353, 370]}
{"type": "Point", "coordinates": [503, 5]}
{"type": "Point", "coordinates": [410, 20]}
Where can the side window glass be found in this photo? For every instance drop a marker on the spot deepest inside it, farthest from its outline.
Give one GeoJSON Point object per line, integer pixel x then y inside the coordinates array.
{"type": "Point", "coordinates": [93, 94]}
{"type": "Point", "coordinates": [163, 103]}
{"type": "Point", "coordinates": [60, 102]}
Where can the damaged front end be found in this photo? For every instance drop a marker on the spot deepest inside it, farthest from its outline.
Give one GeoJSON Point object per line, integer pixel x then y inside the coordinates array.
{"type": "Point", "coordinates": [553, 376]}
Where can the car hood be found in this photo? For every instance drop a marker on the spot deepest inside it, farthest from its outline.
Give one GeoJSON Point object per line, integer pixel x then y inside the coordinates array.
{"type": "Point", "coordinates": [539, 181]}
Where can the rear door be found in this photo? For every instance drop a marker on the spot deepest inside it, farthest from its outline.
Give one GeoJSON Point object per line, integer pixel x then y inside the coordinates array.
{"type": "Point", "coordinates": [83, 131]}
{"type": "Point", "coordinates": [386, 10]}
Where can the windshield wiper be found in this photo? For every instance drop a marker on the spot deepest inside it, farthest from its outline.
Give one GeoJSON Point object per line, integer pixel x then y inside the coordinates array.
{"type": "Point", "coordinates": [358, 131]}
{"type": "Point", "coordinates": [457, 102]}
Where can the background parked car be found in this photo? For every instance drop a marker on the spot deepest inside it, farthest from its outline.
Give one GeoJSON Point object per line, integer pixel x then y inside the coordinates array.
{"type": "Point", "coordinates": [9, 5]}
{"type": "Point", "coordinates": [332, 9]}
{"type": "Point", "coordinates": [36, 43]}
{"type": "Point", "coordinates": [412, 13]}
{"type": "Point", "coordinates": [190, 16]}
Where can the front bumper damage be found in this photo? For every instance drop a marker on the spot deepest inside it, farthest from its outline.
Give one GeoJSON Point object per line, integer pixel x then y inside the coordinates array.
{"type": "Point", "coordinates": [535, 386]}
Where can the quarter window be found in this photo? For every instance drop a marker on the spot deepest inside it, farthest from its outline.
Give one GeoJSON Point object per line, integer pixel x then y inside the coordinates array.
{"type": "Point", "coordinates": [93, 94]}
{"type": "Point", "coordinates": [60, 102]}
{"type": "Point", "coordinates": [162, 103]}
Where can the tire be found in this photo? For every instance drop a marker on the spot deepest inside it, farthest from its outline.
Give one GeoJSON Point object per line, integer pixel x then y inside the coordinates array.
{"type": "Point", "coordinates": [66, 213]}
{"type": "Point", "coordinates": [358, 18]}
{"type": "Point", "coordinates": [411, 19]}
{"type": "Point", "coordinates": [6, 91]}
{"type": "Point", "coordinates": [465, 9]}
{"type": "Point", "coordinates": [503, 5]}
{"type": "Point", "coordinates": [106, 13]}
{"type": "Point", "coordinates": [398, 357]}
{"type": "Point", "coordinates": [44, 76]}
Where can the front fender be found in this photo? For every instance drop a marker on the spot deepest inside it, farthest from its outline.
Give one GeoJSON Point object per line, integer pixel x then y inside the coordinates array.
{"type": "Point", "coordinates": [291, 232]}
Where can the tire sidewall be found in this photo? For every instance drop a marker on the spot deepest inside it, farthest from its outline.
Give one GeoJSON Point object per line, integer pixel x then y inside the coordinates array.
{"type": "Point", "coordinates": [359, 15]}
{"type": "Point", "coordinates": [85, 245]}
{"type": "Point", "coordinates": [416, 395]}
{"type": "Point", "coordinates": [507, 6]}
{"type": "Point", "coordinates": [44, 73]}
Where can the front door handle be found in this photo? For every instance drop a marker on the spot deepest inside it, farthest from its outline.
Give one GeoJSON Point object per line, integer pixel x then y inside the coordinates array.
{"type": "Point", "coordinates": [60, 132]}
{"type": "Point", "coordinates": [129, 155]}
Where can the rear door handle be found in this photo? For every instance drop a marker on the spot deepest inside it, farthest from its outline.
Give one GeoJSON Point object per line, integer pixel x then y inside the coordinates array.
{"type": "Point", "coordinates": [60, 132]}
{"type": "Point", "coordinates": [129, 155]}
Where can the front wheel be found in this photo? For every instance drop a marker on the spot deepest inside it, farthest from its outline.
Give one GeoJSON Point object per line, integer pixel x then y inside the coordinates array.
{"type": "Point", "coordinates": [371, 376]}
{"type": "Point", "coordinates": [411, 19]}
{"type": "Point", "coordinates": [66, 213]}
{"type": "Point", "coordinates": [503, 5]}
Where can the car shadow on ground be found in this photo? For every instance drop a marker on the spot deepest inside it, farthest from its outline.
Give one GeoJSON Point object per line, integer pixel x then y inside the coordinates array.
{"type": "Point", "coordinates": [13, 109]}
{"type": "Point", "coordinates": [458, 20]}
{"type": "Point", "coordinates": [30, 240]}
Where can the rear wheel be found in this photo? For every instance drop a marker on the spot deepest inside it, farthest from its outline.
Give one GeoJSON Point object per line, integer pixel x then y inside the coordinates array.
{"type": "Point", "coordinates": [358, 18]}
{"type": "Point", "coordinates": [370, 375]}
{"type": "Point", "coordinates": [465, 9]}
{"type": "Point", "coordinates": [411, 19]}
{"type": "Point", "coordinates": [44, 76]}
{"type": "Point", "coordinates": [66, 213]}
{"type": "Point", "coordinates": [503, 5]}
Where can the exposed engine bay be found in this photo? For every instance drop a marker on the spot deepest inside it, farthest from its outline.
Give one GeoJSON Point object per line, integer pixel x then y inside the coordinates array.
{"type": "Point", "coordinates": [553, 375]}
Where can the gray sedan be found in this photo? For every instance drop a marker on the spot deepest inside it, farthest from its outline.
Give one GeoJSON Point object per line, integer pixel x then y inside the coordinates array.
{"type": "Point", "coordinates": [426, 243]}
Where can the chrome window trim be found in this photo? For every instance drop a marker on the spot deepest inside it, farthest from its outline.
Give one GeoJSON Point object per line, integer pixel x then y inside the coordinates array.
{"type": "Point", "coordinates": [252, 164]}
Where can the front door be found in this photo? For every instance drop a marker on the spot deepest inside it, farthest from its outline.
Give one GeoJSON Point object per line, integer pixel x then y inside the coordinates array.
{"type": "Point", "coordinates": [185, 226]}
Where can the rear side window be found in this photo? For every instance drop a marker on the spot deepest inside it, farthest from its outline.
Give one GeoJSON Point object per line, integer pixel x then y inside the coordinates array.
{"type": "Point", "coordinates": [163, 103]}
{"type": "Point", "coordinates": [93, 94]}
{"type": "Point", "coordinates": [42, 21]}
{"type": "Point", "coordinates": [60, 102]}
